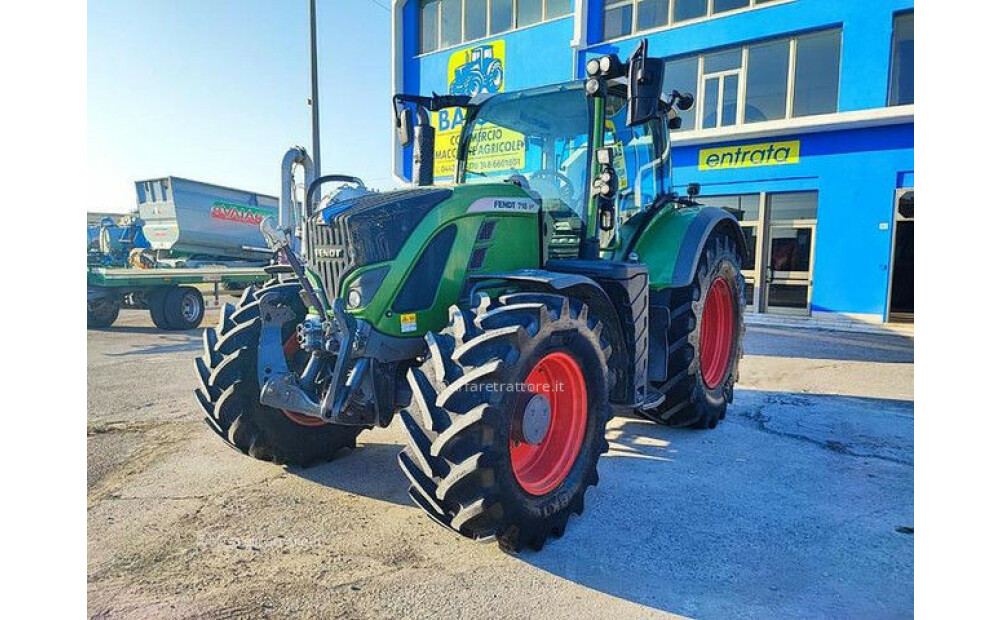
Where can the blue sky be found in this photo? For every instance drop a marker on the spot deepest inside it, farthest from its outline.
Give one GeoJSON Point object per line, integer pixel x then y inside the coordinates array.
{"type": "Point", "coordinates": [215, 90]}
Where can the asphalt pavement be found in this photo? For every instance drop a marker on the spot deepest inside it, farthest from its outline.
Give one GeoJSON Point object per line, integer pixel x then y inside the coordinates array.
{"type": "Point", "coordinates": [800, 504]}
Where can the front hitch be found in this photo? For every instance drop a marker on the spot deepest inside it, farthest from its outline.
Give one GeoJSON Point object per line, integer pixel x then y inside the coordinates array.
{"type": "Point", "coordinates": [280, 387]}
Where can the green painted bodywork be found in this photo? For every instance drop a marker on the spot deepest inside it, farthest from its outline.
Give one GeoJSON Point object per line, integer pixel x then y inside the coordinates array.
{"type": "Point", "coordinates": [659, 243]}
{"type": "Point", "coordinates": [514, 245]}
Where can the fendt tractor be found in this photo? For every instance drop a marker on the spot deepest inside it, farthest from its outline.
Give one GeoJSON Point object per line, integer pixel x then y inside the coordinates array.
{"type": "Point", "coordinates": [503, 317]}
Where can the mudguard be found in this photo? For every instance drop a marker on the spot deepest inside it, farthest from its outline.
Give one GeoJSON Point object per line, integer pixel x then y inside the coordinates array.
{"type": "Point", "coordinates": [672, 241]}
{"type": "Point", "coordinates": [614, 291]}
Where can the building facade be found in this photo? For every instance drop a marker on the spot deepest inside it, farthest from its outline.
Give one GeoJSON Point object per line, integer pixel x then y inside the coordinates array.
{"type": "Point", "coordinates": [803, 120]}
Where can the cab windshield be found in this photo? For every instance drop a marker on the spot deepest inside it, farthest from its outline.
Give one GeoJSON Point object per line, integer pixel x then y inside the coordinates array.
{"type": "Point", "coordinates": [538, 138]}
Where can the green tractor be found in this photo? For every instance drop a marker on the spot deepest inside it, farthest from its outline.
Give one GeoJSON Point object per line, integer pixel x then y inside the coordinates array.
{"type": "Point", "coordinates": [503, 317]}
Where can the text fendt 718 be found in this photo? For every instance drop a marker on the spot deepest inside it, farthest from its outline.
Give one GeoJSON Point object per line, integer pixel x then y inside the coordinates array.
{"type": "Point", "coordinates": [503, 317]}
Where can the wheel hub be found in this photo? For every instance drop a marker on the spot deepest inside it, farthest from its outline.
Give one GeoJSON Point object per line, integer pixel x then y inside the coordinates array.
{"type": "Point", "coordinates": [189, 308]}
{"type": "Point", "coordinates": [717, 332]}
{"type": "Point", "coordinates": [552, 424]}
{"type": "Point", "coordinates": [537, 416]}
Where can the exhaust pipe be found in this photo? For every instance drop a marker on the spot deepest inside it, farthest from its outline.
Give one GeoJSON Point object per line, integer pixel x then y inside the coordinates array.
{"type": "Point", "coordinates": [289, 216]}
{"type": "Point", "coordinates": [423, 149]}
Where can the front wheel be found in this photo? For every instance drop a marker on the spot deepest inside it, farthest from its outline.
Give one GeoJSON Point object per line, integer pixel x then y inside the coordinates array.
{"type": "Point", "coordinates": [229, 392]}
{"type": "Point", "coordinates": [102, 313]}
{"type": "Point", "coordinates": [705, 339]}
{"type": "Point", "coordinates": [507, 419]}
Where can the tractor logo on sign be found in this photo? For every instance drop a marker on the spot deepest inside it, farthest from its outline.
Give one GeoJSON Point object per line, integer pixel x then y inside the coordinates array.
{"type": "Point", "coordinates": [473, 71]}
{"type": "Point", "coordinates": [476, 70]}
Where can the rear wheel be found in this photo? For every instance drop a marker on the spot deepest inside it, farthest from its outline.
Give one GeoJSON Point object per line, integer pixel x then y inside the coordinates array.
{"type": "Point", "coordinates": [507, 419]}
{"type": "Point", "coordinates": [102, 312]}
{"type": "Point", "coordinates": [705, 339]}
{"type": "Point", "coordinates": [184, 308]}
{"type": "Point", "coordinates": [229, 393]}
{"type": "Point", "coordinates": [156, 300]}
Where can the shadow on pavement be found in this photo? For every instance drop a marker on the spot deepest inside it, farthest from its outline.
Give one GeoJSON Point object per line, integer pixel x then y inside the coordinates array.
{"type": "Point", "coordinates": [790, 508]}
{"type": "Point", "coordinates": [370, 471]}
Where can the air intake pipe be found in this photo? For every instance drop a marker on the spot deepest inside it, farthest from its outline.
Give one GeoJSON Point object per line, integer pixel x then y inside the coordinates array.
{"type": "Point", "coordinates": [292, 215]}
{"type": "Point", "coordinates": [423, 148]}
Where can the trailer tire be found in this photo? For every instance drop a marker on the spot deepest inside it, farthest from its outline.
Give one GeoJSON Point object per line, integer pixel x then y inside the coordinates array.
{"type": "Point", "coordinates": [184, 308]}
{"type": "Point", "coordinates": [705, 339]}
{"type": "Point", "coordinates": [476, 462]}
{"type": "Point", "coordinates": [229, 393]}
{"type": "Point", "coordinates": [102, 313]}
{"type": "Point", "coordinates": [156, 300]}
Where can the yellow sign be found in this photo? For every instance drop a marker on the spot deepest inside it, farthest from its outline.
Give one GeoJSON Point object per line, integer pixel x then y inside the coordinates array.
{"type": "Point", "coordinates": [749, 155]}
{"type": "Point", "coordinates": [474, 70]}
{"type": "Point", "coordinates": [407, 323]}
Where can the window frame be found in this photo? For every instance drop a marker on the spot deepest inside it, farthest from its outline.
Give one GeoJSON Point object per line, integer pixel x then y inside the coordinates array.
{"type": "Point", "coordinates": [489, 18]}
{"type": "Point", "coordinates": [743, 76]}
{"type": "Point", "coordinates": [892, 59]}
{"type": "Point", "coordinates": [671, 23]}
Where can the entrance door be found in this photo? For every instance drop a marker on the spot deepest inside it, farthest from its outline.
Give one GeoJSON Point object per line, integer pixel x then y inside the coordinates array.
{"type": "Point", "coordinates": [790, 250]}
{"type": "Point", "coordinates": [901, 290]}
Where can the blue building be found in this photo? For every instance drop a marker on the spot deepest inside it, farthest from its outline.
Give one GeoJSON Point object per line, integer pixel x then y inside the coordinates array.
{"type": "Point", "coordinates": [804, 120]}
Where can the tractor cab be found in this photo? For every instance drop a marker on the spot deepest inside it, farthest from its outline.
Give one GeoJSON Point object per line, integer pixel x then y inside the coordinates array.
{"type": "Point", "coordinates": [543, 141]}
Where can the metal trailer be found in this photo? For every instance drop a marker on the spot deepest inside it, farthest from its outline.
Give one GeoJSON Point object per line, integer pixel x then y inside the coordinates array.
{"type": "Point", "coordinates": [169, 294]}
{"type": "Point", "coordinates": [194, 233]}
{"type": "Point", "coordinates": [186, 220]}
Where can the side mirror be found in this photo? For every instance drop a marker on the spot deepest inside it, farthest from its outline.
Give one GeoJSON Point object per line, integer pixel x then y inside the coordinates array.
{"type": "Point", "coordinates": [685, 101]}
{"type": "Point", "coordinates": [693, 189]}
{"type": "Point", "coordinates": [645, 85]}
{"type": "Point", "coordinates": [404, 126]}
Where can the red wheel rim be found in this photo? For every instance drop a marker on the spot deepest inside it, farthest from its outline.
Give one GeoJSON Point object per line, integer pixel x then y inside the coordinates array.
{"type": "Point", "coordinates": [291, 348]}
{"type": "Point", "coordinates": [716, 333]}
{"type": "Point", "coordinates": [541, 467]}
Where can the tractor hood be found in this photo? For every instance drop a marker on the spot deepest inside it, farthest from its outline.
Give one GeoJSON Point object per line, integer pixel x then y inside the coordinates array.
{"type": "Point", "coordinates": [367, 229]}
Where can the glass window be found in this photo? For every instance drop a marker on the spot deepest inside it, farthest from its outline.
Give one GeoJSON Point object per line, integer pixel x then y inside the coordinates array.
{"type": "Point", "coordinates": [501, 16]}
{"type": "Point", "coordinates": [710, 104]}
{"type": "Point", "coordinates": [617, 20]}
{"type": "Point", "coordinates": [689, 9]}
{"type": "Point", "coordinates": [729, 5]}
{"type": "Point", "coordinates": [475, 19]}
{"type": "Point", "coordinates": [788, 296]}
{"type": "Point", "coordinates": [793, 206]}
{"type": "Point", "coordinates": [528, 12]}
{"type": "Point", "coordinates": [817, 74]}
{"type": "Point", "coordinates": [682, 75]}
{"type": "Point", "coordinates": [653, 13]}
{"type": "Point", "coordinates": [730, 86]}
{"type": "Point", "coordinates": [745, 206]}
{"type": "Point", "coordinates": [428, 25]}
{"type": "Point", "coordinates": [725, 60]}
{"type": "Point", "coordinates": [451, 22]}
{"type": "Point", "coordinates": [640, 160]}
{"type": "Point", "coordinates": [901, 81]}
{"type": "Point", "coordinates": [767, 82]}
{"type": "Point", "coordinates": [548, 147]}
{"type": "Point", "coordinates": [555, 8]}
{"type": "Point", "coordinates": [726, 89]}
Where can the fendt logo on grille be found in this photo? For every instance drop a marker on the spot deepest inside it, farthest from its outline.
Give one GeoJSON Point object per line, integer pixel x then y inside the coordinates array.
{"type": "Point", "coordinates": [329, 252]}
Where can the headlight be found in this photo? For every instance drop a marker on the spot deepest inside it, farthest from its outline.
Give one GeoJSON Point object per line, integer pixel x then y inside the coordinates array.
{"type": "Point", "coordinates": [354, 298]}
{"type": "Point", "coordinates": [362, 289]}
{"type": "Point", "coordinates": [593, 67]}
